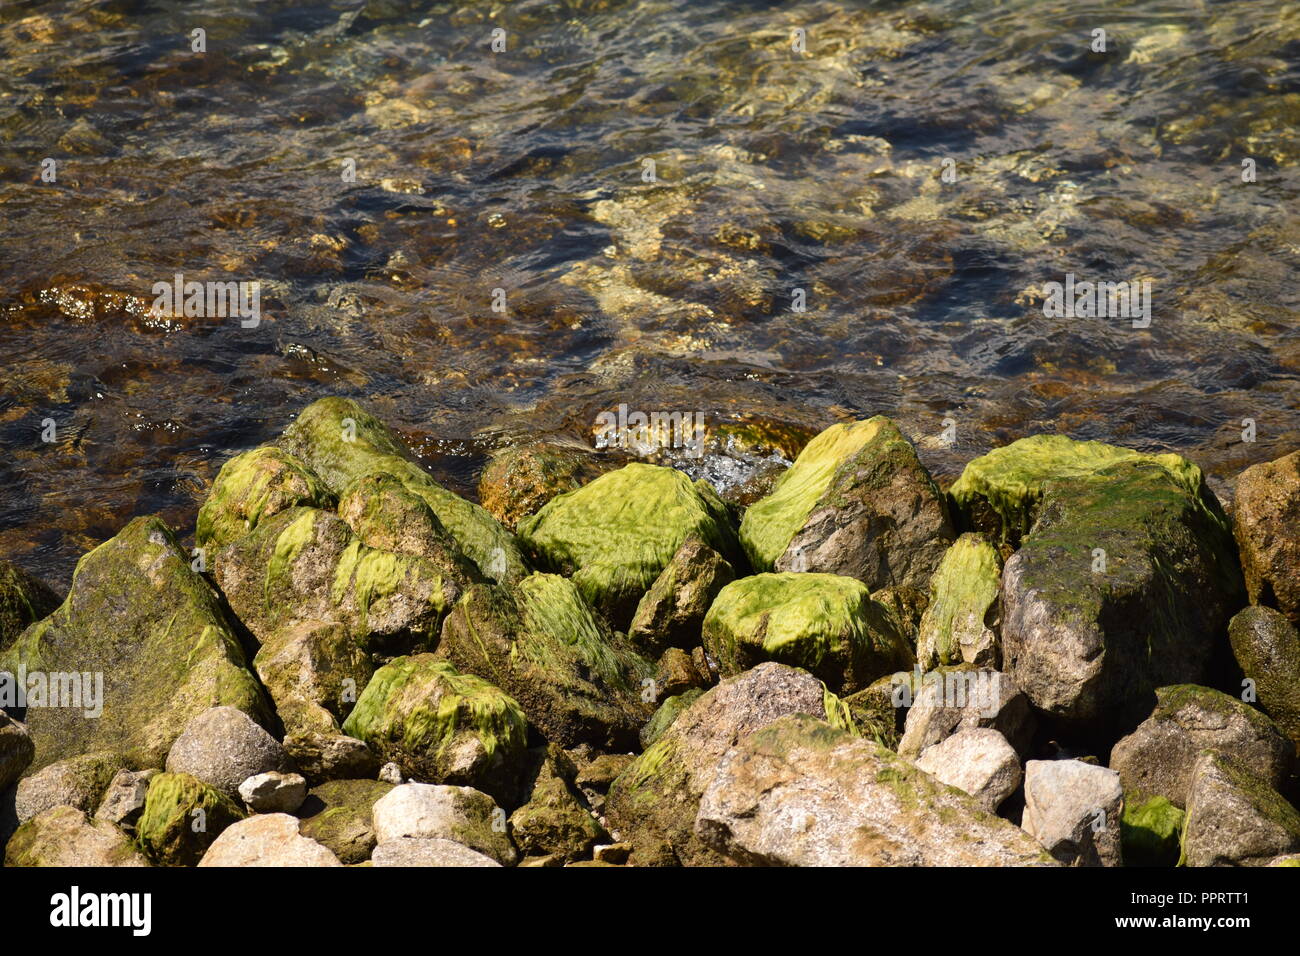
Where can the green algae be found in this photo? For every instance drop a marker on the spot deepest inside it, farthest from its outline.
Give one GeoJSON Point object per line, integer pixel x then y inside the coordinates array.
{"type": "Point", "coordinates": [1150, 832]}
{"type": "Point", "coordinates": [182, 816]}
{"type": "Point", "coordinates": [254, 486]}
{"type": "Point", "coordinates": [963, 599]}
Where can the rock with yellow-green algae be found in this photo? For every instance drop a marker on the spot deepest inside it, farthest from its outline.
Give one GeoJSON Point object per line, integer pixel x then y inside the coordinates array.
{"type": "Point", "coordinates": [1149, 831]}
{"type": "Point", "coordinates": [1125, 583]}
{"type": "Point", "coordinates": [305, 564]}
{"type": "Point", "coordinates": [1267, 648]}
{"type": "Point", "coordinates": [800, 792]}
{"type": "Point", "coordinates": [24, 600]}
{"type": "Point", "coordinates": [63, 836]}
{"type": "Point", "coordinates": [671, 613]}
{"type": "Point", "coordinates": [555, 819]}
{"type": "Point", "coordinates": [182, 817]}
{"type": "Point", "coordinates": [341, 442]}
{"type": "Point", "coordinates": [338, 815]}
{"type": "Point", "coordinates": [520, 479]}
{"type": "Point", "coordinates": [541, 643]}
{"type": "Point", "coordinates": [856, 502]}
{"type": "Point", "coordinates": [253, 487]}
{"type": "Point", "coordinates": [138, 615]}
{"type": "Point", "coordinates": [314, 672]}
{"type": "Point", "coordinates": [616, 534]}
{"type": "Point", "coordinates": [824, 623]}
{"type": "Point", "coordinates": [960, 624]}
{"type": "Point", "coordinates": [653, 802]}
{"type": "Point", "coordinates": [441, 726]}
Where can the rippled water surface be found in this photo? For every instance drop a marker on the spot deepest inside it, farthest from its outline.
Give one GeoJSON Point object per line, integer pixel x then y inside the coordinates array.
{"type": "Point", "coordinates": [523, 171]}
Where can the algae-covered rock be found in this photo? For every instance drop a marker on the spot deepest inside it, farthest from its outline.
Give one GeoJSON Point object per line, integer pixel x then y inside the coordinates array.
{"type": "Point", "coordinates": [824, 623]}
{"type": "Point", "coordinates": [24, 600]}
{"type": "Point", "coordinates": [154, 629]}
{"type": "Point", "coordinates": [1158, 758]}
{"type": "Point", "coordinates": [856, 502]}
{"type": "Point", "coordinates": [306, 565]}
{"type": "Point", "coordinates": [668, 711]}
{"type": "Point", "coordinates": [616, 534]}
{"type": "Point", "coordinates": [182, 817]}
{"type": "Point", "coordinates": [314, 672]}
{"type": "Point", "coordinates": [341, 442]}
{"type": "Point", "coordinates": [430, 812]}
{"type": "Point", "coordinates": [1000, 493]}
{"type": "Point", "coordinates": [1234, 818]}
{"type": "Point", "coordinates": [252, 487]}
{"type": "Point", "coordinates": [653, 803]}
{"type": "Point", "coordinates": [874, 713]}
{"type": "Point", "coordinates": [1124, 585]}
{"type": "Point", "coordinates": [1266, 521]}
{"type": "Point", "coordinates": [330, 756]}
{"type": "Point", "coordinates": [441, 726]}
{"type": "Point", "coordinates": [75, 782]}
{"type": "Point", "coordinates": [338, 815]}
{"type": "Point", "coordinates": [520, 479]}
{"type": "Point", "coordinates": [64, 836]}
{"type": "Point", "coordinates": [1073, 808]}
{"type": "Point", "coordinates": [799, 792]}
{"type": "Point", "coordinates": [16, 750]}
{"type": "Point", "coordinates": [541, 644]}
{"type": "Point", "coordinates": [1149, 832]}
{"type": "Point", "coordinates": [960, 624]}
{"type": "Point", "coordinates": [268, 839]}
{"type": "Point", "coordinates": [555, 819]}
{"type": "Point", "coordinates": [1267, 648]}
{"type": "Point", "coordinates": [671, 613]}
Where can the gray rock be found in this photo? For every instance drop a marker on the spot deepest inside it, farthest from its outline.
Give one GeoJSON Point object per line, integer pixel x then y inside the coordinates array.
{"type": "Point", "coordinates": [76, 782]}
{"type": "Point", "coordinates": [1267, 648]}
{"type": "Point", "coordinates": [223, 747]}
{"type": "Point", "coordinates": [433, 811]}
{"type": "Point", "coordinates": [800, 792]}
{"type": "Point", "coordinates": [1234, 818]}
{"type": "Point", "coordinates": [1073, 808]}
{"type": "Point", "coordinates": [977, 760]}
{"type": "Point", "coordinates": [124, 799]}
{"type": "Point", "coordinates": [1159, 757]}
{"type": "Point", "coordinates": [274, 792]}
{"type": "Point", "coordinates": [326, 756]}
{"type": "Point", "coordinates": [267, 839]}
{"type": "Point", "coordinates": [410, 851]}
{"type": "Point", "coordinates": [954, 698]}
{"type": "Point", "coordinates": [16, 750]}
{"type": "Point", "coordinates": [672, 612]}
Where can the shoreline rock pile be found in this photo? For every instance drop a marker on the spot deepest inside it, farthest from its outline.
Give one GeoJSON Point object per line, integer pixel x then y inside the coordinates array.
{"type": "Point", "coordinates": [1073, 656]}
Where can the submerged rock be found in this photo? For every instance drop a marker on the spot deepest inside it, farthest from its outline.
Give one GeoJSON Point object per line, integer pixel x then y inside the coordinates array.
{"type": "Point", "coordinates": [1234, 818]}
{"type": "Point", "coordinates": [1267, 648]}
{"type": "Point", "coordinates": [541, 644]}
{"type": "Point", "coordinates": [671, 613]}
{"type": "Point", "coordinates": [24, 600]}
{"type": "Point", "coordinates": [1266, 521]}
{"type": "Point", "coordinates": [520, 479]}
{"type": "Point", "coordinates": [153, 628]}
{"type": "Point", "coordinates": [63, 836]}
{"type": "Point", "coordinates": [1159, 757]}
{"type": "Point", "coordinates": [441, 726]}
{"type": "Point", "coordinates": [182, 817]}
{"type": "Point", "coordinates": [1123, 586]}
{"type": "Point", "coordinates": [615, 535]}
{"type": "Point", "coordinates": [799, 792]}
{"type": "Point", "coordinates": [962, 619]}
{"type": "Point", "coordinates": [824, 623]}
{"type": "Point", "coordinates": [1073, 808]}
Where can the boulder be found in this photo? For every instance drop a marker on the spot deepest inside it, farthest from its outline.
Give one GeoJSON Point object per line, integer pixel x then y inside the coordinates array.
{"type": "Point", "coordinates": [65, 837]}
{"type": "Point", "coordinates": [1159, 757]}
{"type": "Point", "coordinates": [1234, 818]}
{"type": "Point", "coordinates": [856, 502]}
{"type": "Point", "coordinates": [616, 535]}
{"type": "Point", "coordinates": [274, 792]}
{"type": "Point", "coordinates": [978, 761]}
{"type": "Point", "coordinates": [671, 613]}
{"type": "Point", "coordinates": [322, 756]}
{"type": "Point", "coordinates": [314, 672]}
{"type": "Point", "coordinates": [253, 487]}
{"type": "Point", "coordinates": [1074, 808]}
{"type": "Point", "coordinates": [125, 797]}
{"type": "Point", "coordinates": [182, 817]}
{"type": "Point", "coordinates": [223, 748]}
{"type": "Point", "coordinates": [668, 711]}
{"type": "Point", "coordinates": [339, 816]}
{"type": "Point", "coordinates": [461, 814]}
{"type": "Point", "coordinates": [518, 480]}
{"type": "Point", "coordinates": [1267, 649]}
{"type": "Point", "coordinates": [950, 699]}
{"type": "Point", "coordinates": [16, 750]}
{"type": "Point", "coordinates": [800, 792]}
{"type": "Point", "coordinates": [653, 803]}
{"type": "Point", "coordinates": [541, 644]}
{"type": "Point", "coordinates": [555, 819]}
{"type": "Point", "coordinates": [154, 629]}
{"type": "Point", "coordinates": [409, 851]}
{"type": "Point", "coordinates": [1266, 522]}
{"type": "Point", "coordinates": [960, 625]}
{"type": "Point", "coordinates": [24, 600]}
{"type": "Point", "coordinates": [824, 623]}
{"type": "Point", "coordinates": [268, 839]}
{"type": "Point", "coordinates": [441, 726]}
{"type": "Point", "coordinates": [76, 782]}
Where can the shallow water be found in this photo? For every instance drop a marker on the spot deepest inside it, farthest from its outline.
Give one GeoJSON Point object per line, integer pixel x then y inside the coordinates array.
{"type": "Point", "coordinates": [522, 171]}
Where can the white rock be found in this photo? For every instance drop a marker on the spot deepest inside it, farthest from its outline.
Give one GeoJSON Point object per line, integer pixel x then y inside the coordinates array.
{"type": "Point", "coordinates": [435, 812]}
{"type": "Point", "coordinates": [977, 760]}
{"type": "Point", "coordinates": [274, 792]}
{"type": "Point", "coordinates": [268, 839]}
{"type": "Point", "coordinates": [409, 851]}
{"type": "Point", "coordinates": [1073, 808]}
{"type": "Point", "coordinates": [390, 773]}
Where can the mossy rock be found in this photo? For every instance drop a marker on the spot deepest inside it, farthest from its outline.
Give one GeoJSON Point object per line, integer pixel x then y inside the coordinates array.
{"type": "Point", "coordinates": [555, 818]}
{"type": "Point", "coordinates": [24, 600]}
{"type": "Point", "coordinates": [520, 479]}
{"type": "Point", "coordinates": [873, 713]}
{"type": "Point", "coordinates": [960, 624]}
{"type": "Point", "coordinates": [999, 493]}
{"type": "Point", "coordinates": [252, 487]}
{"type": "Point", "coordinates": [671, 613]}
{"type": "Point", "coordinates": [314, 672]}
{"type": "Point", "coordinates": [337, 815]}
{"type": "Point", "coordinates": [615, 535]}
{"type": "Point", "coordinates": [1149, 831]}
{"type": "Point", "coordinates": [1234, 818]}
{"type": "Point", "coordinates": [65, 837]}
{"type": "Point", "coordinates": [825, 623]}
{"type": "Point", "coordinates": [182, 816]}
{"type": "Point", "coordinates": [668, 711]}
{"type": "Point", "coordinates": [542, 645]}
{"type": "Point", "coordinates": [1267, 648]}
{"type": "Point", "coordinates": [155, 629]}
{"type": "Point", "coordinates": [441, 726]}
{"type": "Point", "coordinates": [342, 442]}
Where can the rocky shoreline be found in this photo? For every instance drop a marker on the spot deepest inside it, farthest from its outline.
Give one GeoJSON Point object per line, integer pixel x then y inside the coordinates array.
{"type": "Point", "coordinates": [1073, 655]}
